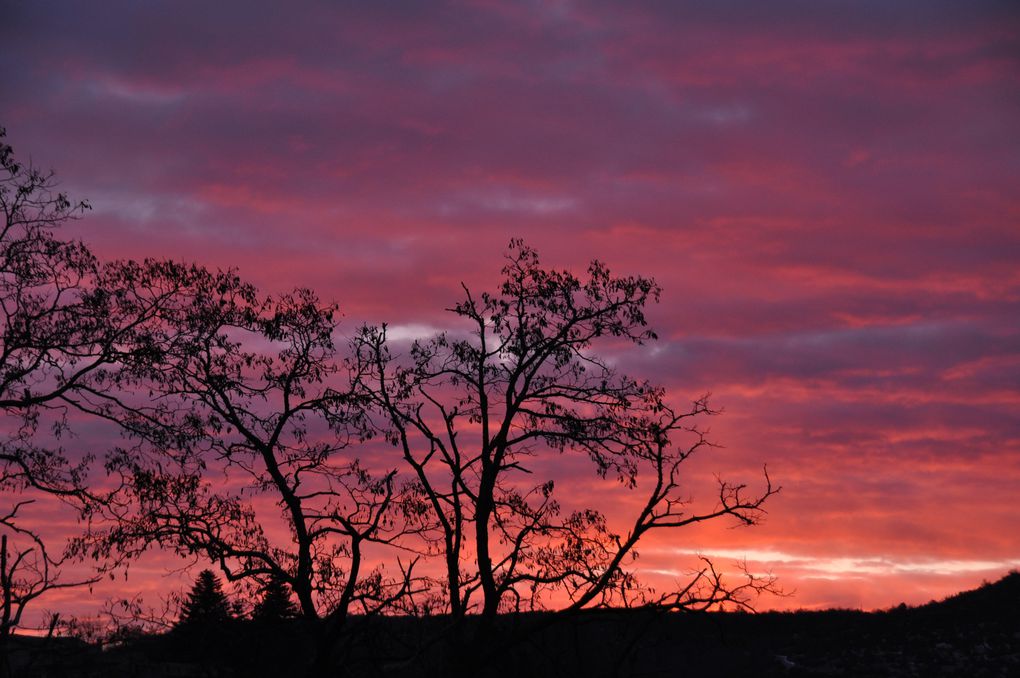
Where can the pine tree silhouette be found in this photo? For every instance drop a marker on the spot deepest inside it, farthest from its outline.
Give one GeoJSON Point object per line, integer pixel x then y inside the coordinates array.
{"type": "Point", "coordinates": [206, 604]}
{"type": "Point", "coordinates": [276, 603]}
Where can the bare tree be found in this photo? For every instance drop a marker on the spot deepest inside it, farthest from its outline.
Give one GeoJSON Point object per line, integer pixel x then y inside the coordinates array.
{"type": "Point", "coordinates": [208, 377]}
{"type": "Point", "coordinates": [52, 335]}
{"type": "Point", "coordinates": [66, 322]}
{"type": "Point", "coordinates": [27, 571]}
{"type": "Point", "coordinates": [47, 321]}
{"type": "Point", "coordinates": [234, 403]}
{"type": "Point", "coordinates": [68, 325]}
{"type": "Point", "coordinates": [245, 405]}
{"type": "Point", "coordinates": [474, 414]}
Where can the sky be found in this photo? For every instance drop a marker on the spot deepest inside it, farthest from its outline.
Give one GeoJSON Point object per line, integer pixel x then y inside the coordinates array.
{"type": "Point", "coordinates": [826, 191]}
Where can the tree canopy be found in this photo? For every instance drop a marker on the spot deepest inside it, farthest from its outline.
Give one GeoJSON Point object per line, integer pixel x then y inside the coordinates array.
{"type": "Point", "coordinates": [365, 476]}
{"type": "Point", "coordinates": [476, 413]}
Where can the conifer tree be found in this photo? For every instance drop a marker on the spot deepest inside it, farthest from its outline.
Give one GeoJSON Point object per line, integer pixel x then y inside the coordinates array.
{"type": "Point", "coordinates": [276, 604]}
{"type": "Point", "coordinates": [207, 604]}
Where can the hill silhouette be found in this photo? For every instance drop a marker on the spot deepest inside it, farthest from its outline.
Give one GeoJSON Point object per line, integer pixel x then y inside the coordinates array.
{"type": "Point", "coordinates": [974, 633]}
{"type": "Point", "coordinates": [1002, 596]}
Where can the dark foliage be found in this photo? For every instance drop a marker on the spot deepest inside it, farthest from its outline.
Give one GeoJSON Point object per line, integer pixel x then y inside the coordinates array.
{"type": "Point", "coordinates": [206, 605]}
{"type": "Point", "coordinates": [973, 634]}
{"type": "Point", "coordinates": [276, 604]}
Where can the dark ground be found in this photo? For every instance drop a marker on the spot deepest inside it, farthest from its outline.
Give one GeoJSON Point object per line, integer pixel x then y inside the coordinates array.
{"type": "Point", "coordinates": [976, 633]}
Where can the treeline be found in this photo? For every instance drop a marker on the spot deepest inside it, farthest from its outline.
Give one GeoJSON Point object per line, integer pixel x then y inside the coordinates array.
{"type": "Point", "coordinates": [360, 477]}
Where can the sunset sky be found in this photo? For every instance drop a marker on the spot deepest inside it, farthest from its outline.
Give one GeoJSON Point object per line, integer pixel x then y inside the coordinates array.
{"type": "Point", "coordinates": [828, 192]}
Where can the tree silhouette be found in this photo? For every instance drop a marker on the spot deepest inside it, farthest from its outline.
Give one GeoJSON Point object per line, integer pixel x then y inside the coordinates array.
{"type": "Point", "coordinates": [251, 386]}
{"type": "Point", "coordinates": [206, 605]}
{"type": "Point", "coordinates": [475, 414]}
{"type": "Point", "coordinates": [65, 321]}
{"type": "Point", "coordinates": [232, 401]}
{"type": "Point", "coordinates": [52, 335]}
{"type": "Point", "coordinates": [276, 604]}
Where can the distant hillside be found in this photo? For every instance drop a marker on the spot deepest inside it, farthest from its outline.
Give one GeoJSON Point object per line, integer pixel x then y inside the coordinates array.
{"type": "Point", "coordinates": [1002, 596]}
{"type": "Point", "coordinates": [975, 633]}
